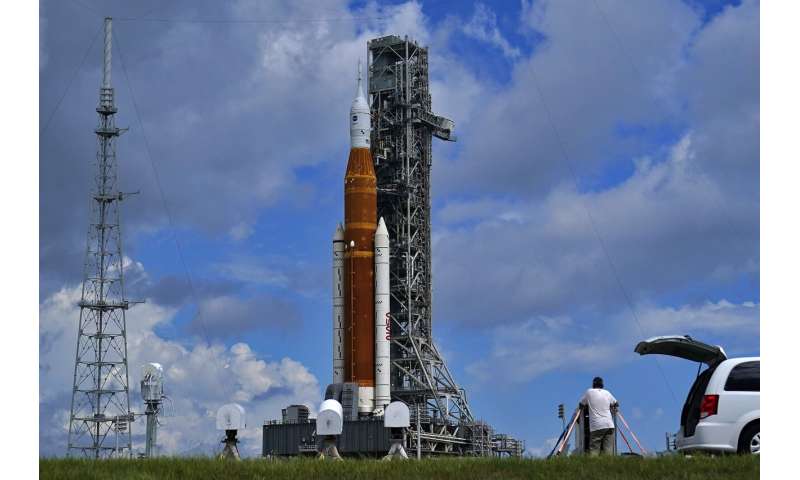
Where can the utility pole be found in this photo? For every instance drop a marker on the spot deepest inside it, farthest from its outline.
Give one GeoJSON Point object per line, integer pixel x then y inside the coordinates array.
{"type": "Point", "coordinates": [100, 395]}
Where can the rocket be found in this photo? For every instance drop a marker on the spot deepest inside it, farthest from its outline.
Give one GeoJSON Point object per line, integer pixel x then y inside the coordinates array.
{"type": "Point", "coordinates": [338, 304]}
{"type": "Point", "coordinates": [361, 318]}
{"type": "Point", "coordinates": [383, 324]}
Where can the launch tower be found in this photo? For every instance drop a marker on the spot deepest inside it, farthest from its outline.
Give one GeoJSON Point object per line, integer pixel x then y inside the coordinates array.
{"type": "Point", "coordinates": [100, 414]}
{"type": "Point", "coordinates": [402, 130]}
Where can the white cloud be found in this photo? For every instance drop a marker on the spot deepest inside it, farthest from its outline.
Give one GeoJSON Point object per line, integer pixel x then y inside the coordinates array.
{"type": "Point", "coordinates": [534, 347]}
{"type": "Point", "coordinates": [686, 212]}
{"type": "Point", "coordinates": [483, 26]}
{"type": "Point", "coordinates": [589, 89]}
{"type": "Point", "coordinates": [274, 99]}
{"type": "Point", "coordinates": [199, 378]}
{"type": "Point", "coordinates": [665, 225]}
{"type": "Point", "coordinates": [541, 450]}
{"type": "Point", "coordinates": [721, 82]}
{"type": "Point", "coordinates": [717, 318]}
{"type": "Point", "coordinates": [529, 349]}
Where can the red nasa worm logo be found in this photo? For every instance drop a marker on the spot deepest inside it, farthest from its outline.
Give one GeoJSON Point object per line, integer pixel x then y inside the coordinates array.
{"type": "Point", "coordinates": [388, 328]}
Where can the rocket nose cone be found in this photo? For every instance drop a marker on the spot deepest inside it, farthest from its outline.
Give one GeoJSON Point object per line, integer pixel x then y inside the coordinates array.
{"type": "Point", "coordinates": [381, 230]}
{"type": "Point", "coordinates": [359, 105]}
{"type": "Point", "coordinates": [339, 233]}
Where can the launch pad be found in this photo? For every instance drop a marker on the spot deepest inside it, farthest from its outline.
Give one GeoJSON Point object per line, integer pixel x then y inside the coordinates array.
{"type": "Point", "coordinates": [394, 125]}
{"type": "Point", "coordinates": [367, 438]}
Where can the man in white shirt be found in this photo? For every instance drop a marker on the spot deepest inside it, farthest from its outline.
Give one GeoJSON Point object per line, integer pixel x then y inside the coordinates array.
{"type": "Point", "coordinates": [601, 405]}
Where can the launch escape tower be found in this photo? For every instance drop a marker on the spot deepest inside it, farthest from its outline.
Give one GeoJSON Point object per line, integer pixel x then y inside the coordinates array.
{"type": "Point", "coordinates": [100, 414]}
{"type": "Point", "coordinates": [402, 129]}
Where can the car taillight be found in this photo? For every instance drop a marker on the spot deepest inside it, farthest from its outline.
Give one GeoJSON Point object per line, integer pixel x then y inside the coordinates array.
{"type": "Point", "coordinates": [709, 405]}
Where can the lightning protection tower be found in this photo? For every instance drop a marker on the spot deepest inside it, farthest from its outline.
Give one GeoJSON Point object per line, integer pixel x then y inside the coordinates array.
{"type": "Point", "coordinates": [402, 130]}
{"type": "Point", "coordinates": [100, 413]}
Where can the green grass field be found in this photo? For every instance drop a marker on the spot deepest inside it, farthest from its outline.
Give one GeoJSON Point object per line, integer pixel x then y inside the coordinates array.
{"type": "Point", "coordinates": [674, 467]}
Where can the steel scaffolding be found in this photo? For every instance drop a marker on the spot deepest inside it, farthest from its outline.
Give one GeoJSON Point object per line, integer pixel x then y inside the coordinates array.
{"type": "Point", "coordinates": [100, 413]}
{"type": "Point", "coordinates": [402, 129]}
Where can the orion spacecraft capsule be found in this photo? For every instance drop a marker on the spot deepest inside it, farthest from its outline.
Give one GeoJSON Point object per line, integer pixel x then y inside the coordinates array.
{"type": "Point", "coordinates": [360, 297]}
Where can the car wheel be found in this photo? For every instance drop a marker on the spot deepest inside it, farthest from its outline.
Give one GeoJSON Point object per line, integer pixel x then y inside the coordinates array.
{"type": "Point", "coordinates": [750, 440]}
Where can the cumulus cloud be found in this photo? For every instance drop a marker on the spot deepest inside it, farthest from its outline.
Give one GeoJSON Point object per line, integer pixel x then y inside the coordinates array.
{"type": "Point", "coordinates": [534, 347]}
{"type": "Point", "coordinates": [226, 136]}
{"type": "Point", "coordinates": [199, 379]}
{"type": "Point", "coordinates": [663, 226]}
{"type": "Point", "coordinates": [589, 88]}
{"type": "Point", "coordinates": [674, 108]}
{"type": "Point", "coordinates": [720, 80]}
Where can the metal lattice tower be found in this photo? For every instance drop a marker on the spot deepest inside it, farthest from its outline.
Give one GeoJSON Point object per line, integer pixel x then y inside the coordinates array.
{"type": "Point", "coordinates": [402, 129]}
{"type": "Point", "coordinates": [100, 413]}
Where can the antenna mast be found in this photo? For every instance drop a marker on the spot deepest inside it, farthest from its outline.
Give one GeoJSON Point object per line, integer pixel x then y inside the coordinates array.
{"type": "Point", "coordinates": [153, 396]}
{"type": "Point", "coordinates": [100, 414]}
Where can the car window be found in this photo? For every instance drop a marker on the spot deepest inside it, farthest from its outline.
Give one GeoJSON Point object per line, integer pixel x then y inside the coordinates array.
{"type": "Point", "coordinates": [745, 377]}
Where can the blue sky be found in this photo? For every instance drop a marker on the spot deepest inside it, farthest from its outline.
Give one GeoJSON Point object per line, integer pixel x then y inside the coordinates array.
{"type": "Point", "coordinates": [629, 189]}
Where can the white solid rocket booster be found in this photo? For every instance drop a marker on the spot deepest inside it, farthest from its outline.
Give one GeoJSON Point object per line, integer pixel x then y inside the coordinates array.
{"type": "Point", "coordinates": [338, 304]}
{"type": "Point", "coordinates": [382, 320]}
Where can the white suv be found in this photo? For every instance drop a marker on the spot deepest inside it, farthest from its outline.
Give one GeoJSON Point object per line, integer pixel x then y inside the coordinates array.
{"type": "Point", "coordinates": [722, 410]}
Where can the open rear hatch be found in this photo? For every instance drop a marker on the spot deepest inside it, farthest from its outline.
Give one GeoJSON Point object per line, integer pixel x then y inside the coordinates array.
{"type": "Point", "coordinates": [682, 346]}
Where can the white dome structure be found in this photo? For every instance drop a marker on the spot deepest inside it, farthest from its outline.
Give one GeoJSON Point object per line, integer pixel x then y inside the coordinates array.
{"type": "Point", "coordinates": [231, 417]}
{"type": "Point", "coordinates": [330, 419]}
{"type": "Point", "coordinates": [397, 416]}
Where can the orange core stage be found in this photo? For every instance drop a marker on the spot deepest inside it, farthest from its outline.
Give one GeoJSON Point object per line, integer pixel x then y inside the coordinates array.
{"type": "Point", "coordinates": [360, 211]}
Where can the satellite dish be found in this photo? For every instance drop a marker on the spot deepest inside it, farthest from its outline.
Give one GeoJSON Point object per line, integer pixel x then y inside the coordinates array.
{"type": "Point", "coordinates": [330, 419]}
{"type": "Point", "coordinates": [396, 415]}
{"type": "Point", "coordinates": [231, 417]}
